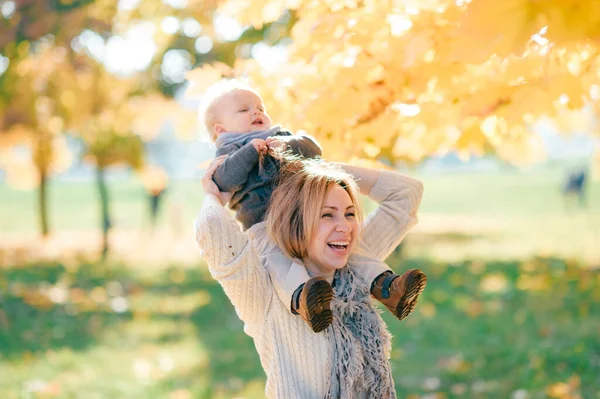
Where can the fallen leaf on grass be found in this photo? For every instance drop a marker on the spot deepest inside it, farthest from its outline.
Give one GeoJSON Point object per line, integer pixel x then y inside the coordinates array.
{"type": "Point", "coordinates": [565, 390]}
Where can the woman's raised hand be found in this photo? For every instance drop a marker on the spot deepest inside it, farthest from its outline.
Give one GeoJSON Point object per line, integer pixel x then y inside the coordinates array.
{"type": "Point", "coordinates": [209, 186]}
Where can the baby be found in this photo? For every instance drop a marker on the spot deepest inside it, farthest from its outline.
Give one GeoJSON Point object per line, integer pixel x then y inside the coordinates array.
{"type": "Point", "coordinates": [236, 118]}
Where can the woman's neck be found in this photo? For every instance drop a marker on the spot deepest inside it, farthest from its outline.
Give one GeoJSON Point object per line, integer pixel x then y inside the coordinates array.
{"type": "Point", "coordinates": [314, 270]}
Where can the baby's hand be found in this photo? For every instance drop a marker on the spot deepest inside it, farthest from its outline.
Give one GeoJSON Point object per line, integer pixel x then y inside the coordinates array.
{"type": "Point", "coordinates": [260, 145]}
{"type": "Point", "coordinates": [275, 144]}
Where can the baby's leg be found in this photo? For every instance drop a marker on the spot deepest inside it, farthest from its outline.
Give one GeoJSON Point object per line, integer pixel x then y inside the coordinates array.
{"type": "Point", "coordinates": [289, 280]}
{"type": "Point", "coordinates": [397, 293]}
{"type": "Point", "coordinates": [302, 295]}
{"type": "Point", "coordinates": [286, 274]}
{"type": "Point", "coordinates": [366, 267]}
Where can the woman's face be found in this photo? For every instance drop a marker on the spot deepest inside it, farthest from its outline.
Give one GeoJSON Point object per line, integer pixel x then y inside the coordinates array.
{"type": "Point", "coordinates": [336, 233]}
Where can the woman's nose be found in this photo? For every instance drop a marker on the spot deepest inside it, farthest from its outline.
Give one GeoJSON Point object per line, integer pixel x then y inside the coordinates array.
{"type": "Point", "coordinates": [343, 227]}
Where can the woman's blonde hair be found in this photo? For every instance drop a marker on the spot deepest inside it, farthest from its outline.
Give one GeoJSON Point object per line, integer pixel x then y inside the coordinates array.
{"type": "Point", "coordinates": [297, 202]}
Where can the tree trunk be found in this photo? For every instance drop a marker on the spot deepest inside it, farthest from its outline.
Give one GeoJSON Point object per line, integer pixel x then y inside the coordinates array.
{"type": "Point", "coordinates": [104, 207]}
{"type": "Point", "coordinates": [155, 202]}
{"type": "Point", "coordinates": [43, 204]}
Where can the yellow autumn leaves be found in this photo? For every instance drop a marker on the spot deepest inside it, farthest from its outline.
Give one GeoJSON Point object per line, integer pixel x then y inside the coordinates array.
{"type": "Point", "coordinates": [407, 79]}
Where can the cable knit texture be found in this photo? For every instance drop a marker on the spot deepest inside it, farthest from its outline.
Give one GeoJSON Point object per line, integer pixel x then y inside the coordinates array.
{"type": "Point", "coordinates": [297, 362]}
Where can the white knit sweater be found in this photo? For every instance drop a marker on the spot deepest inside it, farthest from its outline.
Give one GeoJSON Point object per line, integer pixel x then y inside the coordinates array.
{"type": "Point", "coordinates": [296, 360]}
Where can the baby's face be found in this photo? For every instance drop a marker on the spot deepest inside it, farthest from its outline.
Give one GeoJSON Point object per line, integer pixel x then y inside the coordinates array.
{"type": "Point", "coordinates": [241, 111]}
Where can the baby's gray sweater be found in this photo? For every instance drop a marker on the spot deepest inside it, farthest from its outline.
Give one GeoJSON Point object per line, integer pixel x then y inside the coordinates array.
{"type": "Point", "coordinates": [240, 173]}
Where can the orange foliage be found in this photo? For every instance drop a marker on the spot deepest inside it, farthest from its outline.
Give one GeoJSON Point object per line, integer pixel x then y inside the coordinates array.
{"type": "Point", "coordinates": [405, 80]}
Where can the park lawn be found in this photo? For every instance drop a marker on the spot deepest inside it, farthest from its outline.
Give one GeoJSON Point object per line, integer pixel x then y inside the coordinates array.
{"type": "Point", "coordinates": [73, 205]}
{"type": "Point", "coordinates": [509, 310]}
{"type": "Point", "coordinates": [526, 329]}
{"type": "Point", "coordinates": [485, 215]}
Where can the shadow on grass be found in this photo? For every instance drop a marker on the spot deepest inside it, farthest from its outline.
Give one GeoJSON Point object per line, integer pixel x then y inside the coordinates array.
{"type": "Point", "coordinates": [480, 330]}
{"type": "Point", "coordinates": [232, 354]}
{"type": "Point", "coordinates": [47, 306]}
{"type": "Point", "coordinates": [489, 329]}
{"type": "Point", "coordinates": [233, 361]}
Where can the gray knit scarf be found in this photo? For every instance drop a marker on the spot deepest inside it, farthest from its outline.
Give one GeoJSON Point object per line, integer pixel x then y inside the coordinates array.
{"type": "Point", "coordinates": [361, 343]}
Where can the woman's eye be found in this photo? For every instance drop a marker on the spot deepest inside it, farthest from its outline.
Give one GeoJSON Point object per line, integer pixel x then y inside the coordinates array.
{"type": "Point", "coordinates": [327, 215]}
{"type": "Point", "coordinates": [243, 110]}
{"type": "Point", "coordinates": [350, 215]}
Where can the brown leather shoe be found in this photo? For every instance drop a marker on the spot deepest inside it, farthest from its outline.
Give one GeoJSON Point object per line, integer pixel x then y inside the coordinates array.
{"type": "Point", "coordinates": [399, 293]}
{"type": "Point", "coordinates": [314, 303]}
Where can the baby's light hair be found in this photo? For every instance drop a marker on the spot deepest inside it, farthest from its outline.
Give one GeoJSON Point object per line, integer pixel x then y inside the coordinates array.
{"type": "Point", "coordinates": [210, 101]}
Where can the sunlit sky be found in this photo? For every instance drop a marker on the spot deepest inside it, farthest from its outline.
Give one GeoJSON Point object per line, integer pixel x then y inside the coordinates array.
{"type": "Point", "coordinates": [7, 9]}
{"type": "Point", "coordinates": [134, 50]}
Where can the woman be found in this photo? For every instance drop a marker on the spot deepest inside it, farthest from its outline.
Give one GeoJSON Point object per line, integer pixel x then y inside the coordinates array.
{"type": "Point", "coordinates": [315, 214]}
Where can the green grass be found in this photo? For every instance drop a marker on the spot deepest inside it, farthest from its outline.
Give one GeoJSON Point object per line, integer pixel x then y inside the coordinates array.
{"type": "Point", "coordinates": [482, 330]}
{"type": "Point", "coordinates": [510, 308]}
{"type": "Point", "coordinates": [112, 332]}
{"type": "Point", "coordinates": [499, 215]}
{"type": "Point", "coordinates": [74, 205]}
{"type": "Point", "coordinates": [511, 192]}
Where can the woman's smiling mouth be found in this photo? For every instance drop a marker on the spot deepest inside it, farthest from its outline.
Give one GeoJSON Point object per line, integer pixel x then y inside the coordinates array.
{"type": "Point", "coordinates": [339, 246]}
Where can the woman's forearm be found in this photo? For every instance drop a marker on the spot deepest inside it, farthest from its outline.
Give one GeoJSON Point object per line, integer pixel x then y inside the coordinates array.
{"type": "Point", "coordinates": [365, 177]}
{"type": "Point", "coordinates": [399, 197]}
